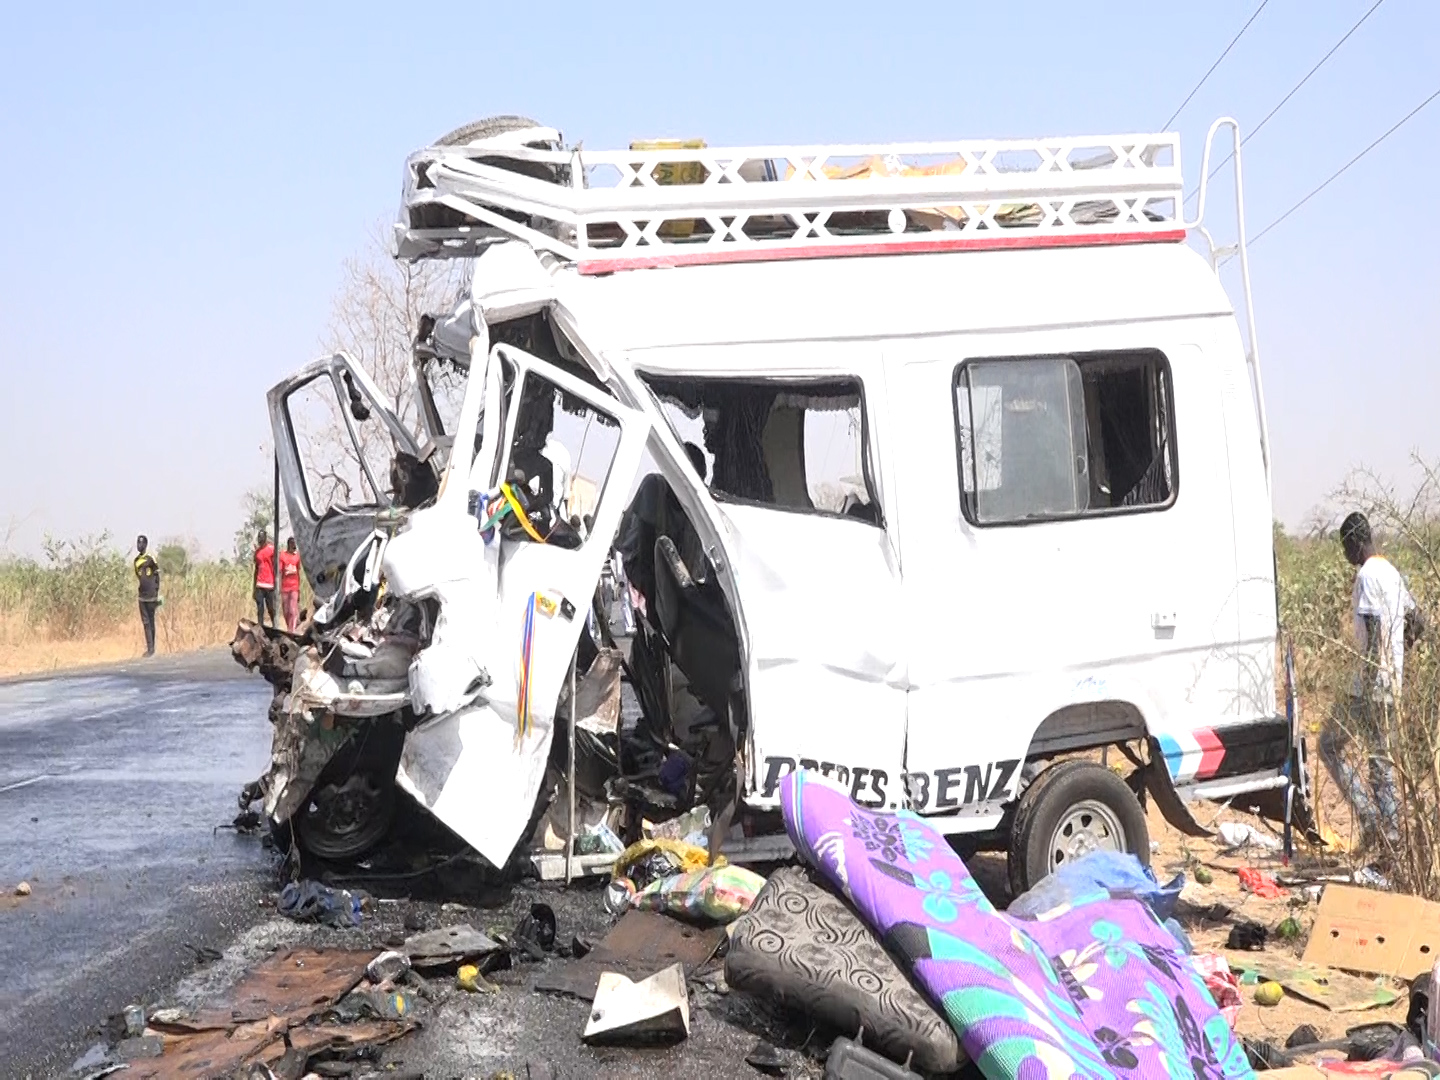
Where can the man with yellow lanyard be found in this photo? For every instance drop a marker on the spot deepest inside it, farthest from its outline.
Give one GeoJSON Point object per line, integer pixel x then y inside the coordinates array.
{"type": "Point", "coordinates": [147, 573]}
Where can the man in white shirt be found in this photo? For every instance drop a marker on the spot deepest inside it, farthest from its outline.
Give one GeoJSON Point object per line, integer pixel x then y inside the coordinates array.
{"type": "Point", "coordinates": [1379, 605]}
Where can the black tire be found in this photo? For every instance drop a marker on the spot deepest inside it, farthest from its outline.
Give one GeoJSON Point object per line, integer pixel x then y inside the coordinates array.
{"type": "Point", "coordinates": [342, 822]}
{"type": "Point", "coordinates": [1080, 796]}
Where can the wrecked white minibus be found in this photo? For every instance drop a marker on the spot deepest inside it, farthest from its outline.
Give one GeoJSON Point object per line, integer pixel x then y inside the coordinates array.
{"type": "Point", "coordinates": [960, 481]}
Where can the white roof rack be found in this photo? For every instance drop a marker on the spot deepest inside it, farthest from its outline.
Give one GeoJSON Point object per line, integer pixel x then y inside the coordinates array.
{"type": "Point", "coordinates": [629, 209]}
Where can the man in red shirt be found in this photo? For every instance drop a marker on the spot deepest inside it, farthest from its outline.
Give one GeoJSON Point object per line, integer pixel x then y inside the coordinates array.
{"type": "Point", "coordinates": [290, 584]}
{"type": "Point", "coordinates": [264, 578]}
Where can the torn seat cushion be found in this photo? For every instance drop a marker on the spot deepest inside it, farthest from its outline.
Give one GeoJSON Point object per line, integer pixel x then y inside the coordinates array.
{"type": "Point", "coordinates": [804, 947]}
{"type": "Point", "coordinates": [1099, 991]}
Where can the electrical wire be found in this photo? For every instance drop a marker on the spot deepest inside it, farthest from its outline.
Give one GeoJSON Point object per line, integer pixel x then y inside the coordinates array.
{"type": "Point", "coordinates": [1293, 91]}
{"type": "Point", "coordinates": [1341, 171]}
{"type": "Point", "coordinates": [1237, 37]}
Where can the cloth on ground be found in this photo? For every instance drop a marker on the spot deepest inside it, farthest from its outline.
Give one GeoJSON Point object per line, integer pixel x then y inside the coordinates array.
{"type": "Point", "coordinates": [1096, 992]}
{"type": "Point", "coordinates": [803, 947]}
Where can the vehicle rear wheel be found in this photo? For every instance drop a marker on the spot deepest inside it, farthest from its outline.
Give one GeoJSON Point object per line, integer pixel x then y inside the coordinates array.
{"type": "Point", "coordinates": [343, 821]}
{"type": "Point", "coordinates": [1072, 809]}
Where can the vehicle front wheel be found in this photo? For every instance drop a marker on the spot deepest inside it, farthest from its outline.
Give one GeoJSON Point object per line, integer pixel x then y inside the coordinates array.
{"type": "Point", "coordinates": [341, 822]}
{"type": "Point", "coordinates": [1072, 809]}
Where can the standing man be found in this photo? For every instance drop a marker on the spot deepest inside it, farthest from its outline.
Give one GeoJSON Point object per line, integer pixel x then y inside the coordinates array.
{"type": "Point", "coordinates": [264, 578]}
{"type": "Point", "coordinates": [147, 573]}
{"type": "Point", "coordinates": [290, 584]}
{"type": "Point", "coordinates": [1381, 610]}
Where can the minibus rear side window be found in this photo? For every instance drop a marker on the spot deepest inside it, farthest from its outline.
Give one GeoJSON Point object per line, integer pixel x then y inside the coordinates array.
{"type": "Point", "coordinates": [1047, 437]}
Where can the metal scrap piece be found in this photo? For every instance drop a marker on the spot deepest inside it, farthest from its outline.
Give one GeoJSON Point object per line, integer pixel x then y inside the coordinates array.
{"type": "Point", "coordinates": [640, 943]}
{"type": "Point", "coordinates": [656, 1009]}
{"type": "Point", "coordinates": [448, 945]}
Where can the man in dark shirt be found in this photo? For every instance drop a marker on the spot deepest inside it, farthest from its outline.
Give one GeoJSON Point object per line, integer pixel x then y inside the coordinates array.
{"type": "Point", "coordinates": [147, 573]}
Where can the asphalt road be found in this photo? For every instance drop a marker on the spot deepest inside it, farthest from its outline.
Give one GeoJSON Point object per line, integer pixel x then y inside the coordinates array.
{"type": "Point", "coordinates": [111, 785]}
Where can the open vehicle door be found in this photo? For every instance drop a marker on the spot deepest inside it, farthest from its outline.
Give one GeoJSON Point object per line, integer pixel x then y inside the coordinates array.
{"type": "Point", "coordinates": [569, 453]}
{"type": "Point", "coordinates": [336, 435]}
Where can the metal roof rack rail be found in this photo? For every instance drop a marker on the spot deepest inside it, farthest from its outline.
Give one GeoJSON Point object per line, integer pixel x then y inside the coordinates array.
{"type": "Point", "coordinates": [686, 203]}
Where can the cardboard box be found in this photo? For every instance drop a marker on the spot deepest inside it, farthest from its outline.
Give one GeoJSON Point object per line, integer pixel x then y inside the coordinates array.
{"type": "Point", "coordinates": [1375, 933]}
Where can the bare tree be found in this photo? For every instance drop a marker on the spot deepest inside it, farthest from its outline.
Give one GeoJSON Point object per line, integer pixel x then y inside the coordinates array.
{"type": "Point", "coordinates": [375, 316]}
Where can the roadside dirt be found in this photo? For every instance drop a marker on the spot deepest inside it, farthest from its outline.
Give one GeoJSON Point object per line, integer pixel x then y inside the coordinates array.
{"type": "Point", "coordinates": [1177, 853]}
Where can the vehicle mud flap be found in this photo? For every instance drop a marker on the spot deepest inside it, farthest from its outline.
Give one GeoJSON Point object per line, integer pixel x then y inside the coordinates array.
{"type": "Point", "coordinates": [1156, 778]}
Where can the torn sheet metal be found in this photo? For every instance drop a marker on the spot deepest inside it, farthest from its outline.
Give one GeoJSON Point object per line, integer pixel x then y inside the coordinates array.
{"type": "Point", "coordinates": [315, 690]}
{"type": "Point", "coordinates": [292, 985]}
{"type": "Point", "coordinates": [449, 945]}
{"type": "Point", "coordinates": [251, 1020]}
{"type": "Point", "coordinates": [641, 942]}
{"type": "Point", "coordinates": [597, 695]}
{"type": "Point", "coordinates": [653, 1010]}
{"type": "Point", "coordinates": [471, 772]}
{"type": "Point", "coordinates": [299, 751]}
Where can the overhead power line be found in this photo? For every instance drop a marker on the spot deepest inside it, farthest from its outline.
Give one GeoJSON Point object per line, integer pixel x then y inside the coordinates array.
{"type": "Point", "coordinates": [1215, 65]}
{"type": "Point", "coordinates": [1293, 91]}
{"type": "Point", "coordinates": [1341, 171]}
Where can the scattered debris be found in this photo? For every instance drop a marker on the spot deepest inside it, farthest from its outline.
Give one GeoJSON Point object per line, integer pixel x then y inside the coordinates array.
{"type": "Point", "coordinates": [1375, 933]}
{"type": "Point", "coordinates": [449, 945]}
{"type": "Point", "coordinates": [1224, 987]}
{"type": "Point", "coordinates": [640, 942]}
{"type": "Point", "coordinates": [718, 893]}
{"type": "Point", "coordinates": [1304, 1035]}
{"type": "Point", "coordinates": [23, 889]}
{"type": "Point", "coordinates": [766, 1059]}
{"type": "Point", "coordinates": [534, 935]}
{"type": "Point", "coordinates": [134, 1019]}
{"type": "Point", "coordinates": [654, 1010]}
{"type": "Point", "coordinates": [387, 966]}
{"type": "Point", "coordinates": [1259, 882]}
{"type": "Point", "coordinates": [1203, 876]}
{"type": "Point", "coordinates": [1269, 993]}
{"type": "Point", "coordinates": [1235, 835]}
{"type": "Point", "coordinates": [310, 901]}
{"type": "Point", "coordinates": [1247, 935]}
{"type": "Point", "coordinates": [469, 979]}
{"type": "Point", "coordinates": [1330, 989]}
{"type": "Point", "coordinates": [852, 1061]}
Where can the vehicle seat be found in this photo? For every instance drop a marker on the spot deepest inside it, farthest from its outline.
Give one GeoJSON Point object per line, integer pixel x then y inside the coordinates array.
{"type": "Point", "coordinates": [697, 628]}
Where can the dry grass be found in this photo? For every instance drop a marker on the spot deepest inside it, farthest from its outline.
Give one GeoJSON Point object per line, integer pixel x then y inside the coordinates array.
{"type": "Point", "coordinates": [79, 607]}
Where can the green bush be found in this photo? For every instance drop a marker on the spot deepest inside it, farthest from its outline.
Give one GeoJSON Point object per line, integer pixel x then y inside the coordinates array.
{"type": "Point", "coordinates": [86, 586]}
{"type": "Point", "coordinates": [174, 560]}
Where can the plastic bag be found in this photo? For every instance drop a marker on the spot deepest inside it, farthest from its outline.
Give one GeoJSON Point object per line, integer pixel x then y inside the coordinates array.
{"type": "Point", "coordinates": [720, 893]}
{"type": "Point", "coordinates": [649, 860]}
{"type": "Point", "coordinates": [1099, 876]}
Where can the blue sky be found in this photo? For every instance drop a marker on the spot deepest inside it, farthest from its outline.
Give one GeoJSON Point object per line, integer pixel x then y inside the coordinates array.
{"type": "Point", "coordinates": [181, 184]}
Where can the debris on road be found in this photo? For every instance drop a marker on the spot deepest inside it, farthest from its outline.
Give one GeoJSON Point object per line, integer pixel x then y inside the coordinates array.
{"type": "Point", "coordinates": [640, 943]}
{"type": "Point", "coordinates": [1259, 882]}
{"type": "Point", "coordinates": [653, 1010]}
{"type": "Point", "coordinates": [717, 893]}
{"type": "Point", "coordinates": [388, 966]}
{"type": "Point", "coordinates": [448, 946]}
{"type": "Point", "coordinates": [1331, 989]}
{"type": "Point", "coordinates": [469, 979]}
{"type": "Point", "coordinates": [23, 889]}
{"type": "Point", "coordinates": [310, 901]}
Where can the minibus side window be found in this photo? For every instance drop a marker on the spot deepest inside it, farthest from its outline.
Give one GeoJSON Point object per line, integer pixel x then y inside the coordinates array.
{"type": "Point", "coordinates": [1040, 438]}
